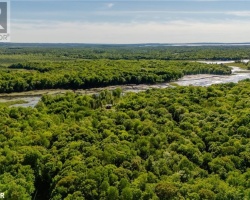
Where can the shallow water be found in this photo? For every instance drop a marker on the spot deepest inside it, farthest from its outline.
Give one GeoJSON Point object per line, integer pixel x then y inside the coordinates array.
{"type": "Point", "coordinates": [215, 61]}
{"type": "Point", "coordinates": [206, 79]}
{"type": "Point", "coordinates": [31, 101]}
{"type": "Point", "coordinates": [196, 80]}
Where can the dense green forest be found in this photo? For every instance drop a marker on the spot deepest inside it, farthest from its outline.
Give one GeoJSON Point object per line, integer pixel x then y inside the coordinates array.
{"type": "Point", "coordinates": [25, 67]}
{"type": "Point", "coordinates": [97, 73]}
{"type": "Point", "coordinates": [176, 143]}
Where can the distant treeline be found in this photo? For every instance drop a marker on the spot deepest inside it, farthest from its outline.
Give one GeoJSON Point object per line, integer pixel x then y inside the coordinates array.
{"type": "Point", "coordinates": [98, 73]}
{"type": "Point", "coordinates": [128, 52]}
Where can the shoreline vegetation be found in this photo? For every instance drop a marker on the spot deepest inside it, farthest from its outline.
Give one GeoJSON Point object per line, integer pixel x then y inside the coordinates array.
{"type": "Point", "coordinates": [124, 88]}
{"type": "Point", "coordinates": [12, 102]}
{"type": "Point", "coordinates": [99, 73]}
{"type": "Point", "coordinates": [242, 65]}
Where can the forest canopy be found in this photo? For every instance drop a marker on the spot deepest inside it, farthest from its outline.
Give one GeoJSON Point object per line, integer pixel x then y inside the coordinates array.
{"type": "Point", "coordinates": [176, 143]}
{"type": "Point", "coordinates": [125, 52]}
{"type": "Point", "coordinates": [82, 74]}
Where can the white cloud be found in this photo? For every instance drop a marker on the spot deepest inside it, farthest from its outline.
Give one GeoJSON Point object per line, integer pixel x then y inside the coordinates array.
{"type": "Point", "coordinates": [147, 12]}
{"type": "Point", "coordinates": [239, 13]}
{"type": "Point", "coordinates": [148, 32]}
{"type": "Point", "coordinates": [110, 5]}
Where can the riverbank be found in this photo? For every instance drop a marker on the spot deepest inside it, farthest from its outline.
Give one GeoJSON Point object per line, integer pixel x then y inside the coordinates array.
{"type": "Point", "coordinates": [32, 97]}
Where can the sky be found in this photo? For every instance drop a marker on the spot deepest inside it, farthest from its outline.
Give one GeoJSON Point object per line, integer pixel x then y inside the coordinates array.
{"type": "Point", "coordinates": [130, 21]}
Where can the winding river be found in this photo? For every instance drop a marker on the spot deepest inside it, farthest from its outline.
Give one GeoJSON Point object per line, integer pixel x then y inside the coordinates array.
{"type": "Point", "coordinates": [32, 97]}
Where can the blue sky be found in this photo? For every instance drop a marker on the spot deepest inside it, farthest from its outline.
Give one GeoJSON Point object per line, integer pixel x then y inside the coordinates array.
{"type": "Point", "coordinates": [131, 21]}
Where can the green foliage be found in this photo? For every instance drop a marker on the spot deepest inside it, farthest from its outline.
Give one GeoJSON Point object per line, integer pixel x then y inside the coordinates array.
{"type": "Point", "coordinates": [9, 103]}
{"type": "Point", "coordinates": [116, 52]}
{"type": "Point", "coordinates": [174, 143]}
{"type": "Point", "coordinates": [97, 73]}
{"type": "Point", "coordinates": [165, 191]}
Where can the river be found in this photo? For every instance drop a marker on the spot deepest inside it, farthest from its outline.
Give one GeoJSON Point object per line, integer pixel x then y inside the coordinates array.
{"type": "Point", "coordinates": [32, 97]}
{"type": "Point", "coordinates": [237, 75]}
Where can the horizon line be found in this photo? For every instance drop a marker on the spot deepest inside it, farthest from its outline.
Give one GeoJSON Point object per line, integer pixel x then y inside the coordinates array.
{"type": "Point", "coordinates": [144, 43]}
